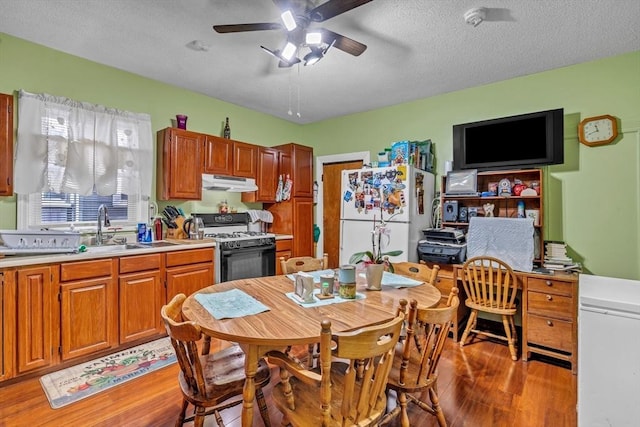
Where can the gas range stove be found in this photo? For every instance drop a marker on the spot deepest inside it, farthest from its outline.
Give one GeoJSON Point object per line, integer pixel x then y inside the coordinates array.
{"type": "Point", "coordinates": [239, 253]}
{"type": "Point", "coordinates": [231, 229]}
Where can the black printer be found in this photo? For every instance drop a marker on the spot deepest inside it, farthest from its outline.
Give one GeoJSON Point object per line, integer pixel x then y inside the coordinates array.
{"type": "Point", "coordinates": [443, 246]}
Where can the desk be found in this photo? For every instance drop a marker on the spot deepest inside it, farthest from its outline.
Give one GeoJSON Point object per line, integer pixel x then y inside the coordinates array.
{"type": "Point", "coordinates": [549, 309]}
{"type": "Point", "coordinates": [287, 323]}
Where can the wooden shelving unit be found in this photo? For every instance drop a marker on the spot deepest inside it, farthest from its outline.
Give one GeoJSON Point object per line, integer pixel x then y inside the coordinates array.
{"type": "Point", "coordinates": [504, 206]}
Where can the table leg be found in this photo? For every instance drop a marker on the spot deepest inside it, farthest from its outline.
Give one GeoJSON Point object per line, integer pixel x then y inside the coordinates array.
{"type": "Point", "coordinates": [248, 393]}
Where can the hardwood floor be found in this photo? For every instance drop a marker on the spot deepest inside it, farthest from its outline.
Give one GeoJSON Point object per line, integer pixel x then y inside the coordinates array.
{"type": "Point", "coordinates": [479, 385]}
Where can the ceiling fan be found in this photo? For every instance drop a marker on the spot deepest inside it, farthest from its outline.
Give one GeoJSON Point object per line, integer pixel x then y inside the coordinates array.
{"type": "Point", "coordinates": [297, 17]}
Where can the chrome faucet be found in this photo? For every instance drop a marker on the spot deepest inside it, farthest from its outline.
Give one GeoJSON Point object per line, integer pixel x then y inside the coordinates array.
{"type": "Point", "coordinates": [103, 213]}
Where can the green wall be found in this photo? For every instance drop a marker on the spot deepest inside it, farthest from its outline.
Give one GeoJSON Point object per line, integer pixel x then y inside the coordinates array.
{"type": "Point", "coordinates": [592, 201]}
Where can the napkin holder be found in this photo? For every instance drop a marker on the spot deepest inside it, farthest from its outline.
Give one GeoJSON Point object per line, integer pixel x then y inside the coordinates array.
{"type": "Point", "coordinates": [303, 288]}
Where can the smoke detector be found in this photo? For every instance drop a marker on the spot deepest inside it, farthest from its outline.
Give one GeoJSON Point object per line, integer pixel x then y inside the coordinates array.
{"type": "Point", "coordinates": [475, 16]}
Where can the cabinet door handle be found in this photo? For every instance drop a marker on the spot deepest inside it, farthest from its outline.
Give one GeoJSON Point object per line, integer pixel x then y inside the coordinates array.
{"type": "Point", "coordinates": [549, 323]}
{"type": "Point", "coordinates": [549, 297]}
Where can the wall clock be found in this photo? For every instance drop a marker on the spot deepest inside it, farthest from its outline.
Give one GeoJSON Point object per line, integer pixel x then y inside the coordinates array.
{"type": "Point", "coordinates": [598, 130]}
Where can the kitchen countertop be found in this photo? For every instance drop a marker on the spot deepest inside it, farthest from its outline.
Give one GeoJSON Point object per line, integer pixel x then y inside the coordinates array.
{"type": "Point", "coordinates": [101, 252]}
{"type": "Point", "coordinates": [284, 237]}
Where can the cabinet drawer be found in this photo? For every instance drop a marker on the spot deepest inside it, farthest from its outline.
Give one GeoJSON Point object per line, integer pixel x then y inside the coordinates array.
{"type": "Point", "coordinates": [85, 269]}
{"type": "Point", "coordinates": [549, 332]}
{"type": "Point", "coordinates": [444, 285]}
{"type": "Point", "coordinates": [192, 256]}
{"type": "Point", "coordinates": [131, 264]}
{"type": "Point", "coordinates": [549, 285]}
{"type": "Point", "coordinates": [283, 245]}
{"type": "Point", "coordinates": [547, 304]}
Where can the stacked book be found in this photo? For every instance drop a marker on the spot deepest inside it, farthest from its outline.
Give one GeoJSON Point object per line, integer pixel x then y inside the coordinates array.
{"type": "Point", "coordinates": [556, 258]}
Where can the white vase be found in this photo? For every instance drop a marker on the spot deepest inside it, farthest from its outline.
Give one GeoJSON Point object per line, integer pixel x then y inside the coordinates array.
{"type": "Point", "coordinates": [373, 273]}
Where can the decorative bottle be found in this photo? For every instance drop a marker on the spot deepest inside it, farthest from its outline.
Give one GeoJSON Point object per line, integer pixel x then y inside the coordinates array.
{"type": "Point", "coordinates": [227, 129]}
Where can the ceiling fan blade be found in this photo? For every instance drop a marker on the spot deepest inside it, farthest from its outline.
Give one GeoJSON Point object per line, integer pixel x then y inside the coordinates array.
{"type": "Point", "coordinates": [285, 64]}
{"type": "Point", "coordinates": [237, 28]}
{"type": "Point", "coordinates": [333, 8]}
{"type": "Point", "coordinates": [343, 43]}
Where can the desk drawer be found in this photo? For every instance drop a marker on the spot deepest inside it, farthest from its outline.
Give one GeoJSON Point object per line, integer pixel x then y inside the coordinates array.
{"type": "Point", "coordinates": [548, 332]}
{"type": "Point", "coordinates": [547, 304]}
{"type": "Point", "coordinates": [550, 286]}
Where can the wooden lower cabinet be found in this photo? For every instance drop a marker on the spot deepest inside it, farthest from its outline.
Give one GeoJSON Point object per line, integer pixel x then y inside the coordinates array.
{"type": "Point", "coordinates": [550, 317]}
{"type": "Point", "coordinates": [141, 296]}
{"type": "Point", "coordinates": [36, 325]}
{"type": "Point", "coordinates": [188, 271]}
{"type": "Point", "coordinates": [7, 323]}
{"type": "Point", "coordinates": [283, 249]}
{"type": "Point", "coordinates": [444, 283]}
{"type": "Point", "coordinates": [64, 313]}
{"type": "Point", "coordinates": [88, 307]}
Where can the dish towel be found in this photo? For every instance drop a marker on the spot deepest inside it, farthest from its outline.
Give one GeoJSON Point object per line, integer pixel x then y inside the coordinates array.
{"type": "Point", "coordinates": [508, 239]}
{"type": "Point", "coordinates": [258, 215]}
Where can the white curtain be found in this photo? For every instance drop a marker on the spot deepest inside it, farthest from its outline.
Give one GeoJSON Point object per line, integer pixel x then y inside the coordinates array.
{"type": "Point", "coordinates": [67, 146]}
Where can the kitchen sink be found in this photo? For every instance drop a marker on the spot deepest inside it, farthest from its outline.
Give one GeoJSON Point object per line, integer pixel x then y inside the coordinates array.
{"type": "Point", "coordinates": [113, 248]}
{"type": "Point", "coordinates": [156, 244]}
{"type": "Point", "coordinates": [128, 246]}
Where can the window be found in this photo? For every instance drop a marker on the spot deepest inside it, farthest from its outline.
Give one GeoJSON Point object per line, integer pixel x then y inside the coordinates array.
{"type": "Point", "coordinates": [72, 156]}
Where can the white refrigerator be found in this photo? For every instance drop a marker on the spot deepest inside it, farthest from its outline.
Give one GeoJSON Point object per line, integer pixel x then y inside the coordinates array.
{"type": "Point", "coordinates": [400, 195]}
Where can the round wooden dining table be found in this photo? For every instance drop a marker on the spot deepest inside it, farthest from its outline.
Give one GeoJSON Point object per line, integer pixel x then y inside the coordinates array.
{"type": "Point", "coordinates": [287, 322]}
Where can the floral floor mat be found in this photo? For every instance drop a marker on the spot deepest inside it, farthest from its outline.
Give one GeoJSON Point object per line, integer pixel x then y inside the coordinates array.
{"type": "Point", "coordinates": [86, 379]}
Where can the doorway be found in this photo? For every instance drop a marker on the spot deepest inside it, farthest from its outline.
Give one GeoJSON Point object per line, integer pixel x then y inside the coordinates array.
{"type": "Point", "coordinates": [328, 175]}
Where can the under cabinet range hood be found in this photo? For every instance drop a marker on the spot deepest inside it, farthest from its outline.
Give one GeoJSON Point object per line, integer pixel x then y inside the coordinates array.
{"type": "Point", "coordinates": [231, 184]}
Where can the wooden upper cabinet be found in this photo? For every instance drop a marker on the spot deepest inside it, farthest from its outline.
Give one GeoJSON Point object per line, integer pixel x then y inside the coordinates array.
{"type": "Point", "coordinates": [177, 178]}
{"type": "Point", "coordinates": [218, 155]}
{"type": "Point", "coordinates": [6, 145]}
{"type": "Point", "coordinates": [297, 161]}
{"type": "Point", "coordinates": [224, 156]}
{"type": "Point", "coordinates": [266, 177]}
{"type": "Point", "coordinates": [245, 159]}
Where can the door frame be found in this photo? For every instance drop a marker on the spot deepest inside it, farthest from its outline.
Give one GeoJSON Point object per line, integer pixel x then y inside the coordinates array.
{"type": "Point", "coordinates": [365, 156]}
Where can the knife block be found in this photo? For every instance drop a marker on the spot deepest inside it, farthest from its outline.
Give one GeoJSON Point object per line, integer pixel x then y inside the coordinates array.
{"type": "Point", "coordinates": [177, 233]}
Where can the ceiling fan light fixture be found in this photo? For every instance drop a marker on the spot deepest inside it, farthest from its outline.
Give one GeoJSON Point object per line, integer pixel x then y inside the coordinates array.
{"type": "Point", "coordinates": [313, 38]}
{"type": "Point", "coordinates": [313, 57]}
{"type": "Point", "coordinates": [288, 20]}
{"type": "Point", "coordinates": [289, 51]}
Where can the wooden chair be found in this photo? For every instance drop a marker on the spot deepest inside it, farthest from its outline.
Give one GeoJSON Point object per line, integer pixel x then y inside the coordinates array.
{"type": "Point", "coordinates": [337, 395]}
{"type": "Point", "coordinates": [207, 380]}
{"type": "Point", "coordinates": [417, 357]}
{"type": "Point", "coordinates": [417, 271]}
{"type": "Point", "coordinates": [491, 287]}
{"type": "Point", "coordinates": [304, 263]}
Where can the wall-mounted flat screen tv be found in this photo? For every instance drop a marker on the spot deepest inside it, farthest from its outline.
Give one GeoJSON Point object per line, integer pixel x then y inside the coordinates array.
{"type": "Point", "coordinates": [525, 140]}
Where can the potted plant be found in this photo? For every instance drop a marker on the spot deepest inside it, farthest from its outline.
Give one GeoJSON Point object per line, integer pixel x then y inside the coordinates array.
{"type": "Point", "coordinates": [375, 255]}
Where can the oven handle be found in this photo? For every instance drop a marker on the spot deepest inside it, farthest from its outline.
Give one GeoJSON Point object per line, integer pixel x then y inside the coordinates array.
{"type": "Point", "coordinates": [264, 248]}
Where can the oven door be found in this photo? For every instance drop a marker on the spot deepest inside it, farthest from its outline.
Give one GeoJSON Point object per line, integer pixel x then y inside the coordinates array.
{"type": "Point", "coordinates": [243, 263]}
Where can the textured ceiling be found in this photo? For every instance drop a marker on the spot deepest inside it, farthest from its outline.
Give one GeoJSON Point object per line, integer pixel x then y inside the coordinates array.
{"type": "Point", "coordinates": [416, 48]}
